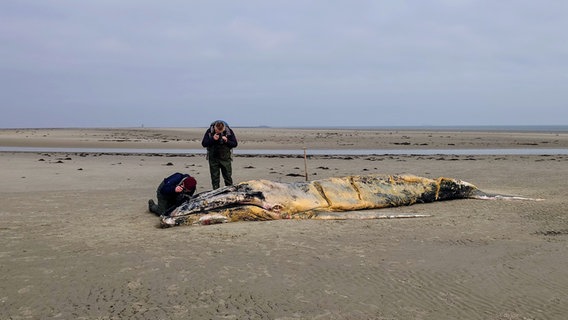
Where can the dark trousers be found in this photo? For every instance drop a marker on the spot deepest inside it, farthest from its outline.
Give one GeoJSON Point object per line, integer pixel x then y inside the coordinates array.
{"type": "Point", "coordinates": [218, 167]}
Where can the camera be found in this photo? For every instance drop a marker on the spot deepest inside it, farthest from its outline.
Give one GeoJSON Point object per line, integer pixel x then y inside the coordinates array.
{"type": "Point", "coordinates": [221, 135]}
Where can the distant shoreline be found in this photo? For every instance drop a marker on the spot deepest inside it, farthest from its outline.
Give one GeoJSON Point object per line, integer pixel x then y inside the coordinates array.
{"type": "Point", "coordinates": [286, 141]}
{"type": "Point", "coordinates": [515, 128]}
{"type": "Point", "coordinates": [466, 128]}
{"type": "Point", "coordinates": [310, 152]}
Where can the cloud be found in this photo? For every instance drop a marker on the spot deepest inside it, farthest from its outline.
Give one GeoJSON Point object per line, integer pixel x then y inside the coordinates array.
{"type": "Point", "coordinates": [135, 59]}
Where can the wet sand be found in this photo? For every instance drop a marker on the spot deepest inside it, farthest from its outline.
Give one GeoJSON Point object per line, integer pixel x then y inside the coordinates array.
{"type": "Point", "coordinates": [77, 241]}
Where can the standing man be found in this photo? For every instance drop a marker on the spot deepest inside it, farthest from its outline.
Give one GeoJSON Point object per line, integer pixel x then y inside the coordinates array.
{"type": "Point", "coordinates": [219, 140]}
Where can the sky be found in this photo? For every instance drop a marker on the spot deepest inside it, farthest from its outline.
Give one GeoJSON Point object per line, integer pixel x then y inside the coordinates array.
{"type": "Point", "coordinates": [283, 63]}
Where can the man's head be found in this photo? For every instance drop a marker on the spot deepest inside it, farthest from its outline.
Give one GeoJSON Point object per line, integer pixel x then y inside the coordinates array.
{"type": "Point", "coordinates": [219, 126]}
{"type": "Point", "coordinates": [189, 184]}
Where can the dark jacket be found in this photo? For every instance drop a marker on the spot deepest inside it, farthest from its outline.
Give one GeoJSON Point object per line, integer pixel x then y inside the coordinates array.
{"type": "Point", "coordinates": [219, 149]}
{"type": "Point", "coordinates": [170, 183]}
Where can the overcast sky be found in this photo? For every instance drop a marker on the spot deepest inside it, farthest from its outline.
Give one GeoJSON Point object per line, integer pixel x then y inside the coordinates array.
{"type": "Point", "coordinates": [182, 63]}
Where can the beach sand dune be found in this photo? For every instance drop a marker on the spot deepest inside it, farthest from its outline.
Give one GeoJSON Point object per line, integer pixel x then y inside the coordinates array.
{"type": "Point", "coordinates": [77, 241]}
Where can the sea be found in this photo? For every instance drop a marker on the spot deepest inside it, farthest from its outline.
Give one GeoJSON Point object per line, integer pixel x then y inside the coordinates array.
{"type": "Point", "coordinates": [486, 128]}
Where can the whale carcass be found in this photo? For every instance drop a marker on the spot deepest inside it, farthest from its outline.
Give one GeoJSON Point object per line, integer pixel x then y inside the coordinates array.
{"type": "Point", "coordinates": [332, 198]}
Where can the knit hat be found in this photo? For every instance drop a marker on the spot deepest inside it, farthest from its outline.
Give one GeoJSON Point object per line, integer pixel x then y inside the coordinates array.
{"type": "Point", "coordinates": [189, 183]}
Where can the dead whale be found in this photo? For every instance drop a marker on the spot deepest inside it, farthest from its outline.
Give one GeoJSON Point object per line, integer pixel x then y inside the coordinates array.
{"type": "Point", "coordinates": [331, 198]}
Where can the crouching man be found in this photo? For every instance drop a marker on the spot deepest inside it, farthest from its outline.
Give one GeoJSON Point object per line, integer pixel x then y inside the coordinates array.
{"type": "Point", "coordinates": [172, 192]}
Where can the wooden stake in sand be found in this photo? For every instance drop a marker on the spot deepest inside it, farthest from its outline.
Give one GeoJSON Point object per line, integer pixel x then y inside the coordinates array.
{"type": "Point", "coordinates": [305, 164]}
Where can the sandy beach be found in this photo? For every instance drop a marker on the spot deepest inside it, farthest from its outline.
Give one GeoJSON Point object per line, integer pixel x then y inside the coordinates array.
{"type": "Point", "coordinates": [77, 241]}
